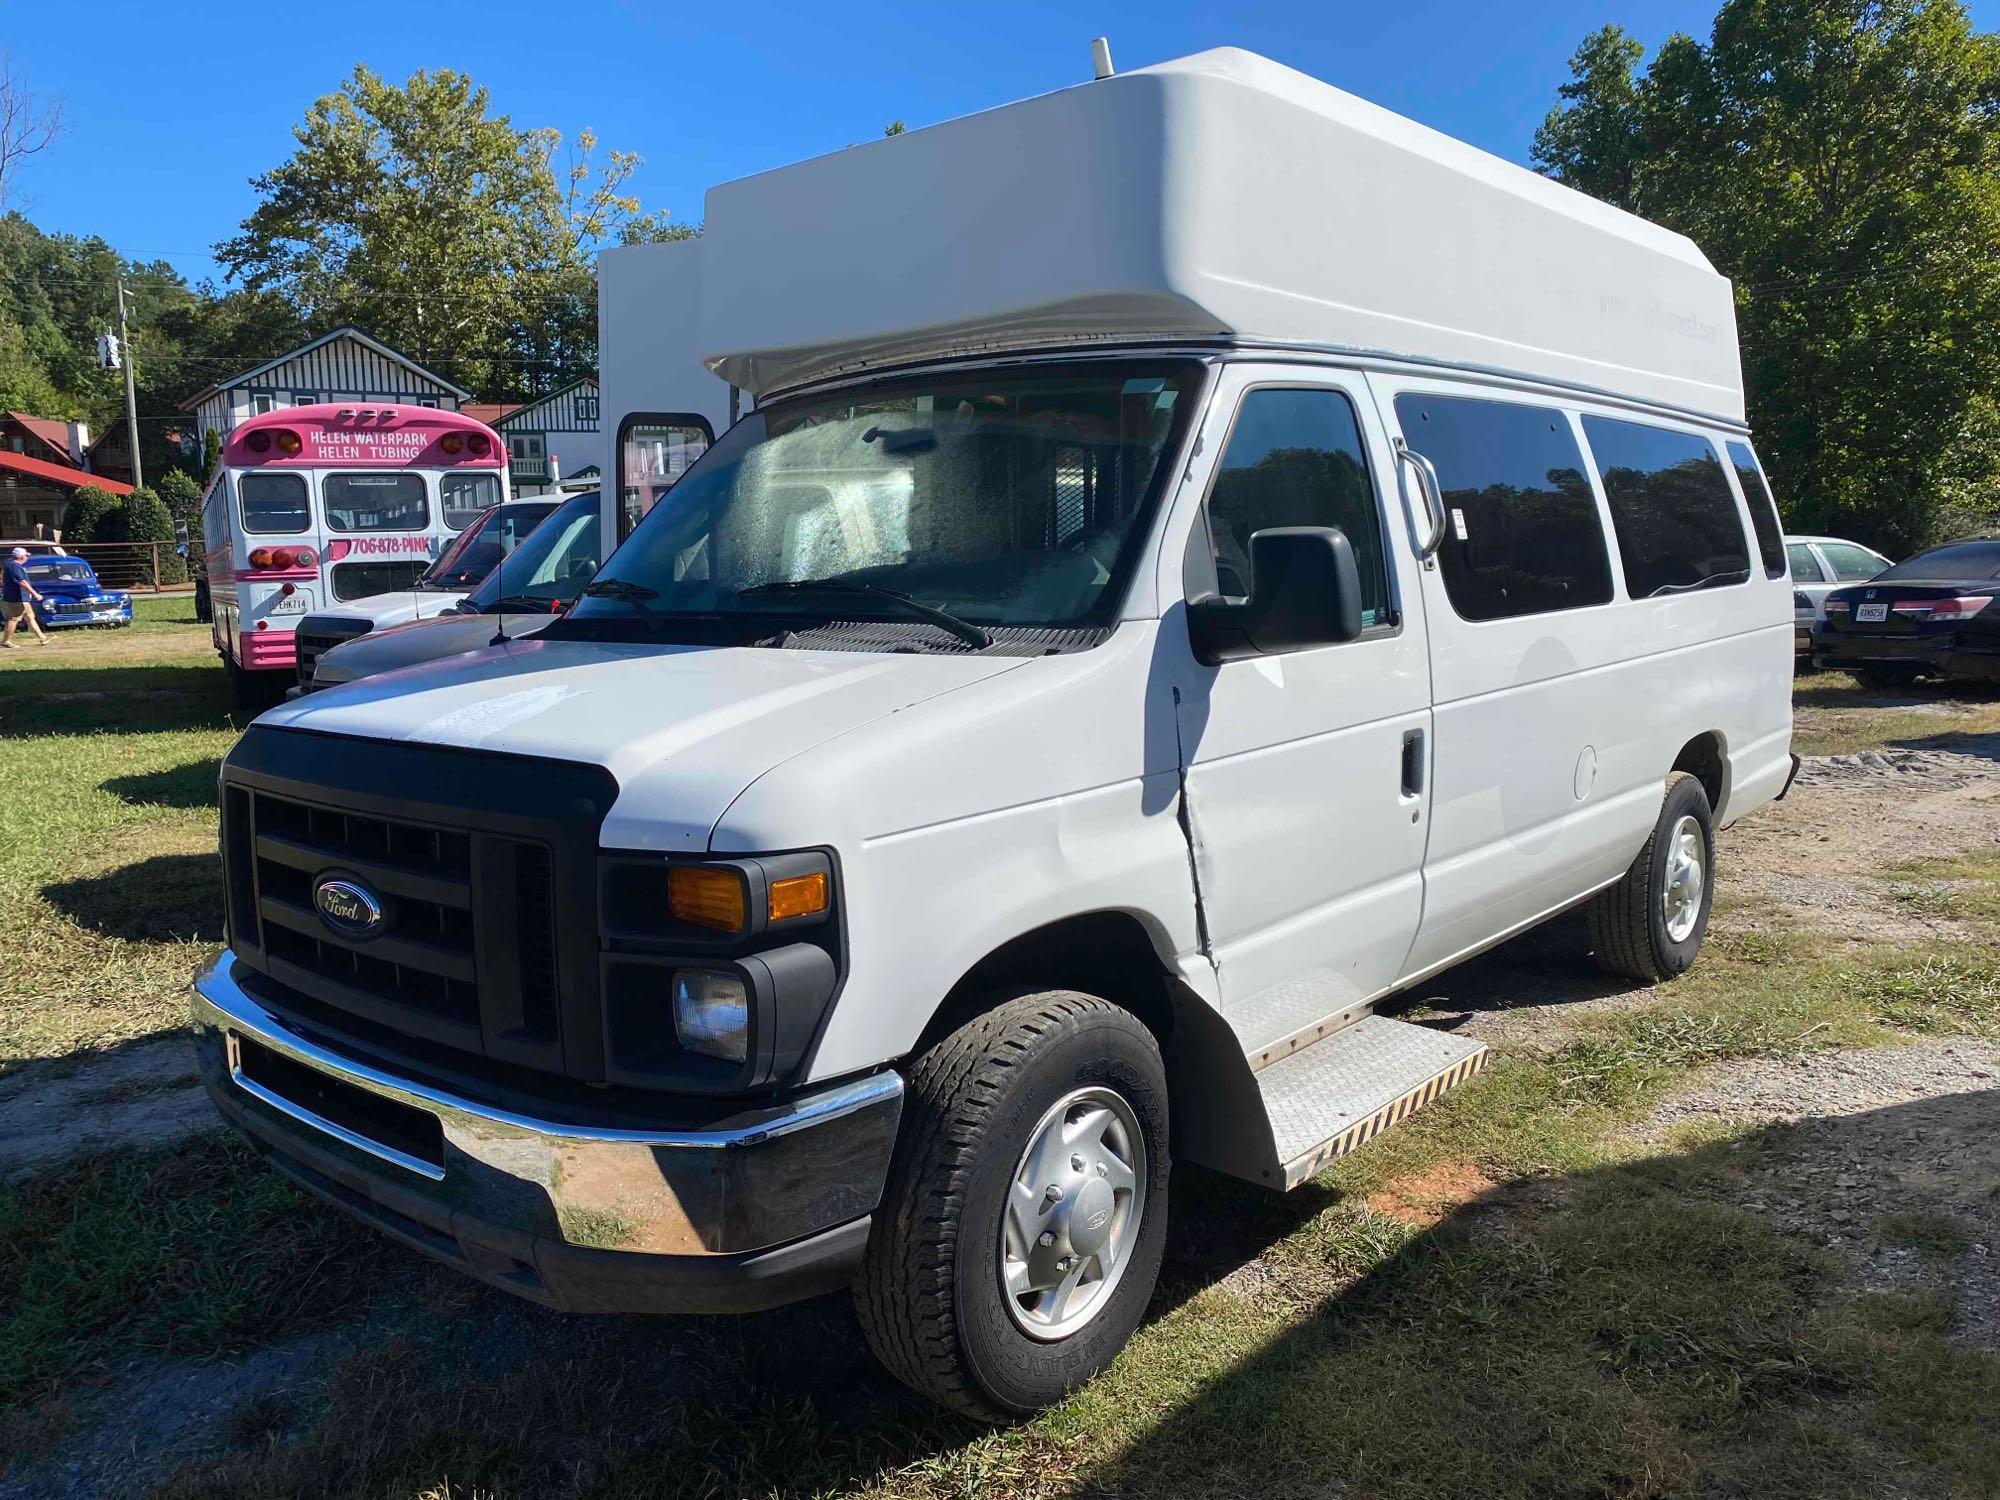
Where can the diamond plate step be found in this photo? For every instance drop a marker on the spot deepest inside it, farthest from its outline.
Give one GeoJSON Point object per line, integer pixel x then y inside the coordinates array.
{"type": "Point", "coordinates": [1328, 1098]}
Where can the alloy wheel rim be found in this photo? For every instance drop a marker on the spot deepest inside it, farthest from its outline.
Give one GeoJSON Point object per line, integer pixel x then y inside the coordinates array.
{"type": "Point", "coordinates": [1073, 1211]}
{"type": "Point", "coordinates": [1687, 879]}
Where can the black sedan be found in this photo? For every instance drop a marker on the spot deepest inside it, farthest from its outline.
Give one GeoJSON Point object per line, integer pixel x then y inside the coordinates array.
{"type": "Point", "coordinates": [1932, 614]}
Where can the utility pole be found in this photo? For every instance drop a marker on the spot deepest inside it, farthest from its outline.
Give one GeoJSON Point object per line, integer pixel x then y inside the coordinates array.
{"type": "Point", "coordinates": [131, 401]}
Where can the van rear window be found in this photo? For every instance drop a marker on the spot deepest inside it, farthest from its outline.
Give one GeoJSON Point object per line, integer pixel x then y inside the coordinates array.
{"type": "Point", "coordinates": [1677, 523]}
{"type": "Point", "coordinates": [1763, 509]}
{"type": "Point", "coordinates": [1521, 534]}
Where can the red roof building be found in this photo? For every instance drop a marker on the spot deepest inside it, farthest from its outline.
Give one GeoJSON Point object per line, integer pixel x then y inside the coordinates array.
{"type": "Point", "coordinates": [34, 493]}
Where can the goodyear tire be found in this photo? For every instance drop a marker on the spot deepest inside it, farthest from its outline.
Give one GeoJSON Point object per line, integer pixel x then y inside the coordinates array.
{"type": "Point", "coordinates": [1650, 925]}
{"type": "Point", "coordinates": [1022, 1225]}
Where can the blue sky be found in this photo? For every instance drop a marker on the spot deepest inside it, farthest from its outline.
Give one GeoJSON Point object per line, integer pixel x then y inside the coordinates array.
{"type": "Point", "coordinates": [172, 107]}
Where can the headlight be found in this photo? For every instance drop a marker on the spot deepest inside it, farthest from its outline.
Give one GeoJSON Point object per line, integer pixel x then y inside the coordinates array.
{"type": "Point", "coordinates": [712, 1013]}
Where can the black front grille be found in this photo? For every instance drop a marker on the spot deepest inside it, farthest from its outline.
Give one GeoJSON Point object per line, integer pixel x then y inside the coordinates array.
{"type": "Point", "coordinates": [485, 941]}
{"type": "Point", "coordinates": [316, 637]}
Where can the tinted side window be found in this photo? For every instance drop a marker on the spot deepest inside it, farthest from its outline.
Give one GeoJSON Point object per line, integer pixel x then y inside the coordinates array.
{"type": "Point", "coordinates": [1805, 567]}
{"type": "Point", "coordinates": [1763, 509]}
{"type": "Point", "coordinates": [1521, 532]}
{"type": "Point", "coordinates": [1677, 522]}
{"type": "Point", "coordinates": [1295, 459]}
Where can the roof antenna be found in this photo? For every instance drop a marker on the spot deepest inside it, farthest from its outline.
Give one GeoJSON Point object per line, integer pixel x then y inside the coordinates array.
{"type": "Point", "coordinates": [500, 605]}
{"type": "Point", "coordinates": [1100, 56]}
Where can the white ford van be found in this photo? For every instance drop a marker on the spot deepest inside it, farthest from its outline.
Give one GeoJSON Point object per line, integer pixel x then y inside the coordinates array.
{"type": "Point", "coordinates": [1205, 554]}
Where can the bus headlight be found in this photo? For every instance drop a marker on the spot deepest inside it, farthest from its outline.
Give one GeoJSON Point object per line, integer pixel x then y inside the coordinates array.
{"type": "Point", "coordinates": [712, 1013]}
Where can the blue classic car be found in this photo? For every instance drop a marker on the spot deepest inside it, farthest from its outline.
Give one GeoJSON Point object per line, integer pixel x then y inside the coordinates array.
{"type": "Point", "coordinates": [71, 594]}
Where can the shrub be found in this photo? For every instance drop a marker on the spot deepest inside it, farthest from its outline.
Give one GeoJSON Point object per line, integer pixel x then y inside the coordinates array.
{"type": "Point", "coordinates": [142, 517]}
{"type": "Point", "coordinates": [181, 495]}
{"type": "Point", "coordinates": [85, 515]}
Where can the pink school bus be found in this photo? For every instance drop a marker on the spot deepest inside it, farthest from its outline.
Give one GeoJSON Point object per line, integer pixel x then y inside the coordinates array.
{"type": "Point", "coordinates": [318, 505]}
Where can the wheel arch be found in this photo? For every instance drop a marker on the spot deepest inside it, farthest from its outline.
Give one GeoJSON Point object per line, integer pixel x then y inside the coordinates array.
{"type": "Point", "coordinates": [1218, 1114]}
{"type": "Point", "coordinates": [1109, 953]}
{"type": "Point", "coordinates": [1706, 758]}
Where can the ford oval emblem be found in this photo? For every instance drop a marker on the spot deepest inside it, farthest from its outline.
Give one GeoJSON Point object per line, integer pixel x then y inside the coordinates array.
{"type": "Point", "coordinates": [348, 907]}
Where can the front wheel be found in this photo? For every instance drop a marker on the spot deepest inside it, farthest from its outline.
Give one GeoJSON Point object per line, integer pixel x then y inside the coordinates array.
{"type": "Point", "coordinates": [1024, 1218]}
{"type": "Point", "coordinates": [1649, 926]}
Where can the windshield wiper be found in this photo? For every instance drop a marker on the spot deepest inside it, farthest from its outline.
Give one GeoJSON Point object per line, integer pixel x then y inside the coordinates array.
{"type": "Point", "coordinates": [944, 619]}
{"type": "Point", "coordinates": [520, 604]}
{"type": "Point", "coordinates": [621, 589]}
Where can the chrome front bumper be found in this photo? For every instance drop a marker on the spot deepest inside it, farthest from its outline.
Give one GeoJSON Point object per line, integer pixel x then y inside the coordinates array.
{"type": "Point", "coordinates": [756, 1208]}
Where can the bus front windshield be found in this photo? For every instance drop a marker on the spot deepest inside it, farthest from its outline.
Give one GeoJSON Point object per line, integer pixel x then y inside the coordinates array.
{"type": "Point", "coordinates": [1012, 497]}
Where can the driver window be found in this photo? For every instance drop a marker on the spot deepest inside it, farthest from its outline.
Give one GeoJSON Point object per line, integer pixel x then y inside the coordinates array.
{"type": "Point", "coordinates": [1295, 459]}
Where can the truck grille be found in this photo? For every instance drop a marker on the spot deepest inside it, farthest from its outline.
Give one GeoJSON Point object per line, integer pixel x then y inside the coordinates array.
{"type": "Point", "coordinates": [317, 636]}
{"type": "Point", "coordinates": [483, 938]}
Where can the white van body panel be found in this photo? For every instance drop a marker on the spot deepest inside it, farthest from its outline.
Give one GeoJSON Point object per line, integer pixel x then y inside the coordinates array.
{"type": "Point", "coordinates": [649, 321]}
{"type": "Point", "coordinates": [1555, 731]}
{"type": "Point", "coordinates": [682, 729]}
{"type": "Point", "coordinates": [975, 817]}
{"type": "Point", "coordinates": [1219, 195]}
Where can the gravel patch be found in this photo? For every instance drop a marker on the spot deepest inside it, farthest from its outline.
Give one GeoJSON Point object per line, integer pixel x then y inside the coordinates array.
{"type": "Point", "coordinates": [1858, 1142]}
{"type": "Point", "coordinates": [1818, 859]}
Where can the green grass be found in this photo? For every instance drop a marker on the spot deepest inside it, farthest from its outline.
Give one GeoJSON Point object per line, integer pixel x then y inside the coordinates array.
{"type": "Point", "coordinates": [109, 893]}
{"type": "Point", "coordinates": [1835, 715]}
{"type": "Point", "coordinates": [1506, 1296]}
{"type": "Point", "coordinates": [1930, 1232]}
{"type": "Point", "coordinates": [1618, 1330]}
{"type": "Point", "coordinates": [188, 1252]}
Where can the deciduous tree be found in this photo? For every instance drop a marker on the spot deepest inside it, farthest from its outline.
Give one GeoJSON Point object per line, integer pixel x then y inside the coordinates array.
{"type": "Point", "coordinates": [1840, 160]}
{"type": "Point", "coordinates": [416, 213]}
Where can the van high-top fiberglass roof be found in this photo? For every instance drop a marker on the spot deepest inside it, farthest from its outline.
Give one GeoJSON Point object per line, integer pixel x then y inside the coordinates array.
{"type": "Point", "coordinates": [1221, 195]}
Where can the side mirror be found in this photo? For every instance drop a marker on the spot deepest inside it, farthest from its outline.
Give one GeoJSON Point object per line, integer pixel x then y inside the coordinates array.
{"type": "Point", "coordinates": [1304, 591]}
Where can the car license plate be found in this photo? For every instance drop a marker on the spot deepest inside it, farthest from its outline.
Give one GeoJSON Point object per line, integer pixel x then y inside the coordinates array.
{"type": "Point", "coordinates": [292, 604]}
{"type": "Point", "coordinates": [1871, 614]}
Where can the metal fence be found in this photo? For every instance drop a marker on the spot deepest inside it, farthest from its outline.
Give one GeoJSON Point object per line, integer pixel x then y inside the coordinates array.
{"type": "Point", "coordinates": [119, 565]}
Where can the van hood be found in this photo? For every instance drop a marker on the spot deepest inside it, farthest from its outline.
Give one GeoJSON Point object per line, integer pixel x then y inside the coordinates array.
{"type": "Point", "coordinates": [691, 725]}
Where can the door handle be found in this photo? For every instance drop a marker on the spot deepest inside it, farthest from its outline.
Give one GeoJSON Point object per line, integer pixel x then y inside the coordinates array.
{"type": "Point", "coordinates": [1432, 492]}
{"type": "Point", "coordinates": [1413, 763]}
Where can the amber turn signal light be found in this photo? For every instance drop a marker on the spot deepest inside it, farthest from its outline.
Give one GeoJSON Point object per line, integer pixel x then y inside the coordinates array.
{"type": "Point", "coordinates": [708, 898]}
{"type": "Point", "coordinates": [798, 896]}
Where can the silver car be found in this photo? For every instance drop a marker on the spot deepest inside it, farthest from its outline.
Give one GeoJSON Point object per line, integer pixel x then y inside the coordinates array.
{"type": "Point", "coordinates": [543, 576]}
{"type": "Point", "coordinates": [1820, 564]}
